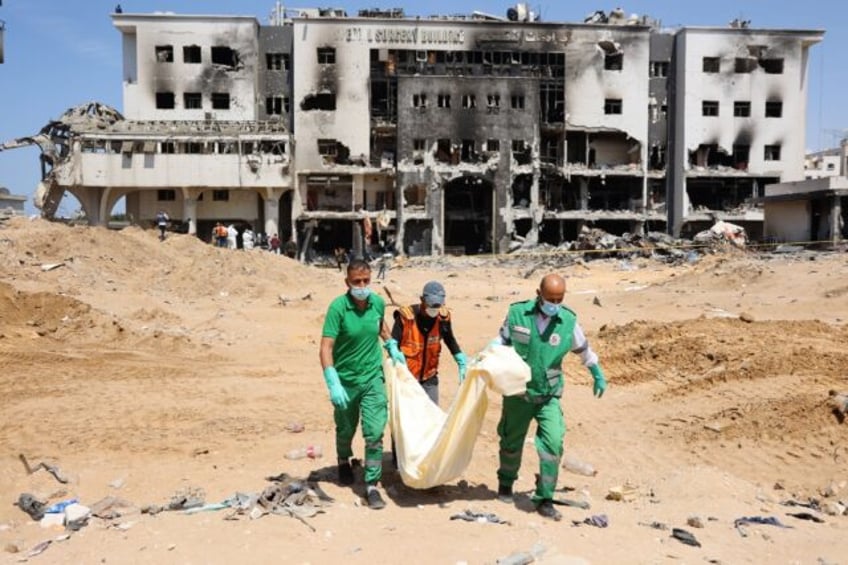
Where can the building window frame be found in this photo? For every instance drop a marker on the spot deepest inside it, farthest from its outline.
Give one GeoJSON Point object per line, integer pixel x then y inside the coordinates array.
{"type": "Point", "coordinates": [613, 106]}
{"type": "Point", "coordinates": [710, 108]}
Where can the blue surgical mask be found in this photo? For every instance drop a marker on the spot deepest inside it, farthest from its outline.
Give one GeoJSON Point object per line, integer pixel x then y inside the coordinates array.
{"type": "Point", "coordinates": [432, 312]}
{"type": "Point", "coordinates": [549, 309]}
{"type": "Point", "coordinates": [360, 292]}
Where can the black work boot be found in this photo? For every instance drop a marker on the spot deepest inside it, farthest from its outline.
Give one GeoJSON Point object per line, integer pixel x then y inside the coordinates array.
{"type": "Point", "coordinates": [505, 493]}
{"type": "Point", "coordinates": [546, 509]}
{"type": "Point", "coordinates": [375, 501]}
{"type": "Point", "coordinates": [345, 473]}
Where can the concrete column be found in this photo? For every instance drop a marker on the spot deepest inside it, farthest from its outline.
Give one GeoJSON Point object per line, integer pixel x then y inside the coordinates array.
{"type": "Point", "coordinates": [190, 213]}
{"type": "Point", "coordinates": [584, 194]}
{"type": "Point", "coordinates": [835, 220]}
{"type": "Point", "coordinates": [271, 205]}
{"type": "Point", "coordinates": [91, 201]}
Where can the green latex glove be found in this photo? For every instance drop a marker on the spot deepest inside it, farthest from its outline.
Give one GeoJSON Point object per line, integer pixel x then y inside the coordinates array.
{"type": "Point", "coordinates": [338, 395]}
{"type": "Point", "coordinates": [600, 384]}
{"type": "Point", "coordinates": [462, 365]}
{"type": "Point", "coordinates": [396, 354]}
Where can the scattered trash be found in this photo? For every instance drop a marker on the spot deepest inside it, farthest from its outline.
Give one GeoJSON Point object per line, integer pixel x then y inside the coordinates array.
{"type": "Point", "coordinates": [573, 503]}
{"type": "Point", "coordinates": [746, 317]}
{"type": "Point", "coordinates": [50, 266]}
{"type": "Point", "coordinates": [52, 469]}
{"type": "Point", "coordinates": [806, 516]}
{"type": "Point", "coordinates": [520, 558]}
{"type": "Point", "coordinates": [76, 516]}
{"type": "Point", "coordinates": [39, 548]}
{"type": "Point", "coordinates": [768, 521]}
{"type": "Point", "coordinates": [60, 506]}
{"type": "Point", "coordinates": [838, 402]}
{"type": "Point", "coordinates": [833, 508]}
{"type": "Point", "coordinates": [685, 537]}
{"type": "Point", "coordinates": [481, 517]}
{"type": "Point", "coordinates": [31, 505]}
{"type": "Point", "coordinates": [622, 493]}
{"type": "Point", "coordinates": [812, 503]}
{"type": "Point", "coordinates": [655, 525]}
{"type": "Point", "coordinates": [597, 520]}
{"type": "Point", "coordinates": [695, 521]}
{"type": "Point", "coordinates": [295, 427]}
{"type": "Point", "coordinates": [310, 451]}
{"type": "Point", "coordinates": [575, 465]}
{"type": "Point", "coordinates": [190, 497]}
{"type": "Point", "coordinates": [723, 232]}
{"type": "Point", "coordinates": [597, 301]}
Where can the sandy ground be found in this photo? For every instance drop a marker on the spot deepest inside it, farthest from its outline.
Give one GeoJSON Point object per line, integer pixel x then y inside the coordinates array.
{"type": "Point", "coordinates": [142, 369]}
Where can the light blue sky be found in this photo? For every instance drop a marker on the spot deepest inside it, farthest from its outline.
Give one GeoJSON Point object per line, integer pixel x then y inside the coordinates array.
{"type": "Point", "coordinates": [61, 53]}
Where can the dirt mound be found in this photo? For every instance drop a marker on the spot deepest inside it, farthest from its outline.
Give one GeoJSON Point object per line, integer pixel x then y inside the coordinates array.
{"type": "Point", "coordinates": [699, 353]}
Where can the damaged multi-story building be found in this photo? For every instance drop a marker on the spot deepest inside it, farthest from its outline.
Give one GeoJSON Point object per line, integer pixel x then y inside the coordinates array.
{"type": "Point", "coordinates": [455, 134]}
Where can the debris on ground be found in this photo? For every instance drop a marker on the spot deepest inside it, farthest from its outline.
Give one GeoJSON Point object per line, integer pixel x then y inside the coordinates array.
{"type": "Point", "coordinates": [481, 517]}
{"type": "Point", "coordinates": [52, 469]}
{"type": "Point", "coordinates": [685, 537]}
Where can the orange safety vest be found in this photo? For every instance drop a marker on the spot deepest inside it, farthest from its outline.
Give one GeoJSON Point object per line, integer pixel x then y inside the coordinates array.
{"type": "Point", "coordinates": [422, 358]}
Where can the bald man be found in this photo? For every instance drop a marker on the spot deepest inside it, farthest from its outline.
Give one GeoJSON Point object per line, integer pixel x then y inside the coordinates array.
{"type": "Point", "coordinates": [542, 331]}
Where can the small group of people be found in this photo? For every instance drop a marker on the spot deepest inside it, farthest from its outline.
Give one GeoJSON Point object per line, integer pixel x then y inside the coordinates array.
{"type": "Point", "coordinates": [542, 330]}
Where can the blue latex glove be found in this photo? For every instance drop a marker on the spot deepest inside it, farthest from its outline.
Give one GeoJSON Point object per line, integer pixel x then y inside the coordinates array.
{"type": "Point", "coordinates": [396, 354]}
{"type": "Point", "coordinates": [600, 384]}
{"type": "Point", "coordinates": [461, 364]}
{"type": "Point", "coordinates": [338, 395]}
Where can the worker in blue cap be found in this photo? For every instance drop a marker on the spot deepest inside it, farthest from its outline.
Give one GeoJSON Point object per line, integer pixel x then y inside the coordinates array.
{"type": "Point", "coordinates": [417, 336]}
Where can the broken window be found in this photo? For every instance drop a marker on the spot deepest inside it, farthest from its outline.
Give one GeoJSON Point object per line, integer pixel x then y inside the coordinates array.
{"type": "Point", "coordinates": [165, 53]}
{"type": "Point", "coordinates": [469, 101]}
{"type": "Point", "coordinates": [444, 151]}
{"type": "Point", "coordinates": [772, 66]}
{"type": "Point", "coordinates": [328, 147]}
{"type": "Point", "coordinates": [774, 109]}
{"type": "Point", "coordinates": [744, 64]}
{"type": "Point", "coordinates": [613, 62]}
{"type": "Point", "coordinates": [326, 55]}
{"type": "Point", "coordinates": [191, 54]}
{"type": "Point", "coordinates": [222, 55]}
{"type": "Point", "coordinates": [273, 147]}
{"type": "Point", "coordinates": [709, 108]}
{"type": "Point", "coordinates": [711, 64]}
{"type": "Point", "coordinates": [468, 151]}
{"type": "Point", "coordinates": [612, 106]}
{"type": "Point", "coordinates": [165, 100]}
{"type": "Point", "coordinates": [221, 100]}
{"type": "Point", "coordinates": [493, 100]}
{"type": "Point", "coordinates": [419, 144]}
{"type": "Point", "coordinates": [517, 102]}
{"type": "Point", "coordinates": [742, 108]}
{"type": "Point", "coordinates": [320, 101]}
{"type": "Point", "coordinates": [444, 100]}
{"type": "Point", "coordinates": [277, 61]}
{"type": "Point", "coordinates": [194, 147]}
{"type": "Point", "coordinates": [168, 147]}
{"type": "Point", "coordinates": [741, 155]}
{"type": "Point", "coordinates": [274, 105]}
{"type": "Point", "coordinates": [656, 159]}
{"type": "Point", "coordinates": [419, 100]}
{"type": "Point", "coordinates": [192, 100]}
{"type": "Point", "coordinates": [166, 195]}
{"type": "Point", "coordinates": [221, 195]}
{"type": "Point", "coordinates": [658, 69]}
{"type": "Point", "coordinates": [772, 153]}
{"type": "Point", "coordinates": [493, 145]}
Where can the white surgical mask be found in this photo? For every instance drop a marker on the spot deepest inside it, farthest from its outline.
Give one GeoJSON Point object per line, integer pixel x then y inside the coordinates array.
{"type": "Point", "coordinates": [432, 312]}
{"type": "Point", "coordinates": [549, 309]}
{"type": "Point", "coordinates": [360, 292]}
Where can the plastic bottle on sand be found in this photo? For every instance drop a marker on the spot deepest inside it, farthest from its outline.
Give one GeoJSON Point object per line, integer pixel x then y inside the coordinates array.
{"type": "Point", "coordinates": [310, 451]}
{"type": "Point", "coordinates": [575, 465]}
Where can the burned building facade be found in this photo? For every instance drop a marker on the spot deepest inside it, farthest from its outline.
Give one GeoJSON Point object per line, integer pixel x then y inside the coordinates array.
{"type": "Point", "coordinates": [459, 134]}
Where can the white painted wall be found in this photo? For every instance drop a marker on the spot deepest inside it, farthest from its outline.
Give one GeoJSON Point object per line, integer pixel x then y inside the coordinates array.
{"type": "Point", "coordinates": [242, 205]}
{"type": "Point", "coordinates": [144, 76]}
{"type": "Point", "coordinates": [757, 87]}
{"type": "Point", "coordinates": [587, 84]}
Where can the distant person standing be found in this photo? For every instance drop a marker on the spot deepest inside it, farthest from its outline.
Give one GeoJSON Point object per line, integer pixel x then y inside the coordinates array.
{"type": "Point", "coordinates": [220, 235]}
{"type": "Point", "coordinates": [162, 220]}
{"type": "Point", "coordinates": [274, 244]}
{"type": "Point", "coordinates": [352, 361]}
{"type": "Point", "coordinates": [542, 331]}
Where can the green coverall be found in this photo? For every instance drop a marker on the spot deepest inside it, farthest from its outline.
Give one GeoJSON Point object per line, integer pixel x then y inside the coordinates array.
{"type": "Point", "coordinates": [544, 354]}
{"type": "Point", "coordinates": [358, 358]}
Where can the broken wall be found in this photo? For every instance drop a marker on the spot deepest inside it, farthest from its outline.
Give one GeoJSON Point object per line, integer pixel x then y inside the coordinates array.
{"type": "Point", "coordinates": [661, 53]}
{"type": "Point", "coordinates": [588, 85]}
{"type": "Point", "coordinates": [150, 67]}
{"type": "Point", "coordinates": [274, 76]}
{"type": "Point", "coordinates": [742, 71]}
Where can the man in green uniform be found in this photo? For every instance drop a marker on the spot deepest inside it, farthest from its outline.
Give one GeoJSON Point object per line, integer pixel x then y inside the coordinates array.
{"type": "Point", "coordinates": [542, 331]}
{"type": "Point", "coordinates": [353, 370]}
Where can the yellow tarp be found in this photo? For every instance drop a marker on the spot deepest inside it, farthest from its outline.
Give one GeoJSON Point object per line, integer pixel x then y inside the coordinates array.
{"type": "Point", "coordinates": [434, 447]}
